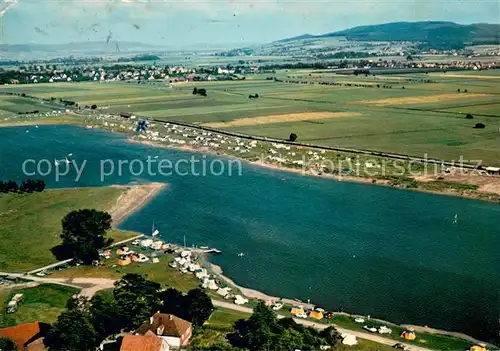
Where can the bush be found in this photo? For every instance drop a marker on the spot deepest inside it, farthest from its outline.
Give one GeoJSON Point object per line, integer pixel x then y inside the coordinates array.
{"type": "Point", "coordinates": [480, 126]}
{"type": "Point", "coordinates": [469, 116]}
{"type": "Point", "coordinates": [293, 137]}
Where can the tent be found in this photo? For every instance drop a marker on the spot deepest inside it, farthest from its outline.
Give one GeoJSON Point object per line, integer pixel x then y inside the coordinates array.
{"type": "Point", "coordinates": [409, 334]}
{"type": "Point", "coordinates": [349, 339]}
{"type": "Point", "coordinates": [124, 261]}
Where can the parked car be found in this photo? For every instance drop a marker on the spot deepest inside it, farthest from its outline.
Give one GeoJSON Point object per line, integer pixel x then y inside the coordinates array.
{"type": "Point", "coordinates": [399, 346]}
{"type": "Point", "coordinates": [301, 316]}
{"type": "Point", "coordinates": [370, 329]}
{"type": "Point", "coordinates": [384, 330]}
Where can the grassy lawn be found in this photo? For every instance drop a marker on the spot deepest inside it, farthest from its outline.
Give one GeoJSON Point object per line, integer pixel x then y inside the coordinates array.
{"type": "Point", "coordinates": [432, 341]}
{"type": "Point", "coordinates": [40, 304]}
{"type": "Point", "coordinates": [158, 272]}
{"type": "Point", "coordinates": [222, 319]}
{"type": "Point", "coordinates": [32, 223]}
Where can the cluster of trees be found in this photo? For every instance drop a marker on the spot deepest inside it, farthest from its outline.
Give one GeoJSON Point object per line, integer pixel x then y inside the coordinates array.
{"type": "Point", "coordinates": [27, 186]}
{"type": "Point", "coordinates": [253, 96]}
{"type": "Point", "coordinates": [201, 91]}
{"type": "Point", "coordinates": [139, 58]}
{"type": "Point", "coordinates": [68, 102]}
{"type": "Point", "coordinates": [86, 323]}
{"type": "Point", "coordinates": [263, 331]}
{"type": "Point", "coordinates": [28, 112]}
{"type": "Point", "coordinates": [7, 344]}
{"type": "Point", "coordinates": [84, 234]}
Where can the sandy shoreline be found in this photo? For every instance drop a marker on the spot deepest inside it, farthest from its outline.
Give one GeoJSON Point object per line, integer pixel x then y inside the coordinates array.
{"type": "Point", "coordinates": [132, 199]}
{"type": "Point", "coordinates": [251, 293]}
{"type": "Point", "coordinates": [33, 123]}
{"type": "Point", "coordinates": [481, 194]}
{"type": "Point", "coordinates": [255, 294]}
{"type": "Point", "coordinates": [308, 172]}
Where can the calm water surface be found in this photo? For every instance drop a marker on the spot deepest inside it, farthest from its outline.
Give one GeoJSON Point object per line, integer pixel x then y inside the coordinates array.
{"type": "Point", "coordinates": [372, 250]}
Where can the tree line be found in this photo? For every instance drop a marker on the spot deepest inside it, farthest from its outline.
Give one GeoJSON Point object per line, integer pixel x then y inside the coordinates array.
{"type": "Point", "coordinates": [86, 323]}
{"type": "Point", "coordinates": [27, 186]}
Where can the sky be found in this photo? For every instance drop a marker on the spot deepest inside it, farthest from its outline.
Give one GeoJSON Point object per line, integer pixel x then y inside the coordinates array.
{"type": "Point", "coordinates": [180, 23]}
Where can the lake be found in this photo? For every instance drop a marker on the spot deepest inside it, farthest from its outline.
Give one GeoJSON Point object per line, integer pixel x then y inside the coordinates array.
{"type": "Point", "coordinates": [361, 248]}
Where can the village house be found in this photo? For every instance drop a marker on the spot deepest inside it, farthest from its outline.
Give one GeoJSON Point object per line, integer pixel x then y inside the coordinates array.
{"type": "Point", "coordinates": [174, 330]}
{"type": "Point", "coordinates": [148, 342]}
{"type": "Point", "coordinates": [28, 337]}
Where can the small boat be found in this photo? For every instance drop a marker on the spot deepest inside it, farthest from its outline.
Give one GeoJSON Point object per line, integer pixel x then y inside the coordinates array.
{"type": "Point", "coordinates": [455, 220]}
{"type": "Point", "coordinates": [241, 254]}
{"type": "Point", "coordinates": [154, 232]}
{"type": "Point", "coordinates": [67, 161]}
{"type": "Point", "coordinates": [56, 162]}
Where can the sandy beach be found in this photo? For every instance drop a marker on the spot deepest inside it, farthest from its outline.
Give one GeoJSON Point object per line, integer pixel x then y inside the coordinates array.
{"type": "Point", "coordinates": [133, 198]}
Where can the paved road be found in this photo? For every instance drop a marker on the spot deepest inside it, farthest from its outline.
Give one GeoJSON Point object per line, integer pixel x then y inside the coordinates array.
{"type": "Point", "coordinates": [362, 335]}
{"type": "Point", "coordinates": [97, 284]}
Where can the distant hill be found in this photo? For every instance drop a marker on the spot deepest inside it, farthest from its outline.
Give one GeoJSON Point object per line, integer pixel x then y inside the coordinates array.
{"type": "Point", "coordinates": [435, 34]}
{"type": "Point", "coordinates": [300, 37]}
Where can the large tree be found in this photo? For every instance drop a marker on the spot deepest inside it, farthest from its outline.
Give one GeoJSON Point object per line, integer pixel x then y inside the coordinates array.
{"type": "Point", "coordinates": [105, 316]}
{"type": "Point", "coordinates": [198, 306]}
{"type": "Point", "coordinates": [172, 302]}
{"type": "Point", "coordinates": [137, 298]}
{"type": "Point", "coordinates": [73, 331]}
{"type": "Point", "coordinates": [258, 331]}
{"type": "Point", "coordinates": [84, 234]}
{"type": "Point", "coordinates": [7, 344]}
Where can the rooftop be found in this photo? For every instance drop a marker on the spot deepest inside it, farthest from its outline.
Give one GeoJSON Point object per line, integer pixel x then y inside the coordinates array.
{"type": "Point", "coordinates": [165, 325]}
{"type": "Point", "coordinates": [141, 343]}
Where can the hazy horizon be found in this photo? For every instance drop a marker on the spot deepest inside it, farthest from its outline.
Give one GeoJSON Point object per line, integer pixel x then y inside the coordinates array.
{"type": "Point", "coordinates": [178, 23]}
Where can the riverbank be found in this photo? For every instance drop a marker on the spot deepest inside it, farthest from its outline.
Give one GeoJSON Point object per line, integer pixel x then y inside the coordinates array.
{"type": "Point", "coordinates": [448, 181]}
{"type": "Point", "coordinates": [255, 294]}
{"type": "Point", "coordinates": [488, 187]}
{"type": "Point", "coordinates": [133, 199]}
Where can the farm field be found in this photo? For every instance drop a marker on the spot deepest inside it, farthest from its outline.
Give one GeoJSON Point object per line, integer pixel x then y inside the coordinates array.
{"type": "Point", "coordinates": [365, 112]}
{"type": "Point", "coordinates": [33, 222]}
{"type": "Point", "coordinates": [12, 105]}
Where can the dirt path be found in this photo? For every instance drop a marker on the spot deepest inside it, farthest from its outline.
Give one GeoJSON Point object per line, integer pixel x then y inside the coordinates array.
{"type": "Point", "coordinates": [88, 286]}
{"type": "Point", "coordinates": [133, 199]}
{"type": "Point", "coordinates": [98, 284]}
{"type": "Point", "coordinates": [366, 336]}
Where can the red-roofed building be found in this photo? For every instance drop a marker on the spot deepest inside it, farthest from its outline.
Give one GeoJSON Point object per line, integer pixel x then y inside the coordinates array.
{"type": "Point", "coordinates": [28, 337]}
{"type": "Point", "coordinates": [174, 330]}
{"type": "Point", "coordinates": [148, 342]}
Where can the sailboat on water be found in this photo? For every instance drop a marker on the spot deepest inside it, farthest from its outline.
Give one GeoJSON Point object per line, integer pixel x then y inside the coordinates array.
{"type": "Point", "coordinates": [455, 220]}
{"type": "Point", "coordinates": [154, 231]}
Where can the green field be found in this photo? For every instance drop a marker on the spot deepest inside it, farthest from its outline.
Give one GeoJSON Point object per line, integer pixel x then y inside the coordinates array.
{"type": "Point", "coordinates": [158, 272]}
{"type": "Point", "coordinates": [40, 304]}
{"type": "Point", "coordinates": [31, 223]}
{"type": "Point", "coordinates": [10, 105]}
{"type": "Point", "coordinates": [426, 117]}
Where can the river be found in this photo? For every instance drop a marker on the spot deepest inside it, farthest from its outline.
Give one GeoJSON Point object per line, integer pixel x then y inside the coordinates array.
{"type": "Point", "coordinates": [361, 248]}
